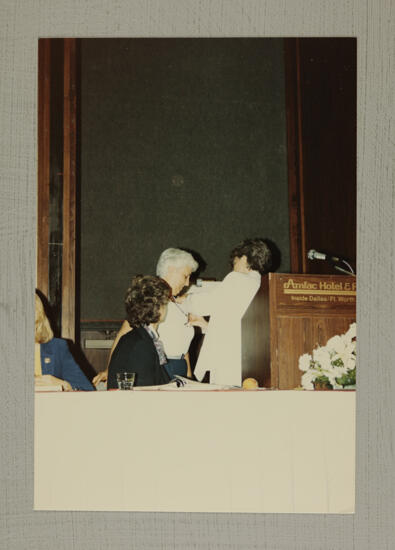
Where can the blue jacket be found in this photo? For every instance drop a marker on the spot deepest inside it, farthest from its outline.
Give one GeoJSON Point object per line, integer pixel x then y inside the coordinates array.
{"type": "Point", "coordinates": [57, 360]}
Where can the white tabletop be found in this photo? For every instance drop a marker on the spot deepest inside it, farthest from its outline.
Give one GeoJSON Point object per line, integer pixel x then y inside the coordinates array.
{"type": "Point", "coordinates": [226, 451]}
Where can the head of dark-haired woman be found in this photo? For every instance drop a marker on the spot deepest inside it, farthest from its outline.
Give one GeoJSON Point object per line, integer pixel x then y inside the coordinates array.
{"type": "Point", "coordinates": [146, 300]}
{"type": "Point", "coordinates": [251, 254]}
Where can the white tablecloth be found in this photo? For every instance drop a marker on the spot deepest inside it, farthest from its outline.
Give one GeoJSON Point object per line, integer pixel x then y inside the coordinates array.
{"type": "Point", "coordinates": [262, 451]}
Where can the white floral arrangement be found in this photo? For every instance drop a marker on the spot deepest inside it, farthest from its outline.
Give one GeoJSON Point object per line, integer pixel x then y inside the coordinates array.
{"type": "Point", "coordinates": [333, 365]}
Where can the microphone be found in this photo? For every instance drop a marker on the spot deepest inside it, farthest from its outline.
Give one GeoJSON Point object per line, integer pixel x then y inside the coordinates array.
{"type": "Point", "coordinates": [314, 255]}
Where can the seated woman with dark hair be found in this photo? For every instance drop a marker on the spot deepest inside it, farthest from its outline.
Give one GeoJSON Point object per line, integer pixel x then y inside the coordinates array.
{"type": "Point", "coordinates": [174, 266]}
{"type": "Point", "coordinates": [140, 350]}
{"type": "Point", "coordinates": [54, 365]}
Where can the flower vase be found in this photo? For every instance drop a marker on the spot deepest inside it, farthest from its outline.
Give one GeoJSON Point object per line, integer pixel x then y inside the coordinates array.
{"type": "Point", "coordinates": [322, 385]}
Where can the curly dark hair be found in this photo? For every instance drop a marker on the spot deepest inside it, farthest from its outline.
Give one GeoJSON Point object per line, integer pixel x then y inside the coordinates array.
{"type": "Point", "coordinates": [144, 298]}
{"type": "Point", "coordinates": [259, 256]}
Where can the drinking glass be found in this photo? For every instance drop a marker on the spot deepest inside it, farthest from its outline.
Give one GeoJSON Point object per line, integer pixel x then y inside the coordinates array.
{"type": "Point", "coordinates": [125, 380]}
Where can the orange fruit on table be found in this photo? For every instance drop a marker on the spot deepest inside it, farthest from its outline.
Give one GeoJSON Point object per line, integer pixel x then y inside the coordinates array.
{"type": "Point", "coordinates": [250, 384]}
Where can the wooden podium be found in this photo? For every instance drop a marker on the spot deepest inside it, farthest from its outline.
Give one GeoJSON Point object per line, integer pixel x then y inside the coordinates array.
{"type": "Point", "coordinates": [290, 315]}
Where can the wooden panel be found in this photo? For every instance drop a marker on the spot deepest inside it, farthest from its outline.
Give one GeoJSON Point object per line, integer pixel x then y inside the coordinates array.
{"type": "Point", "coordinates": [324, 328]}
{"type": "Point", "coordinates": [289, 316]}
{"type": "Point", "coordinates": [295, 336]}
{"type": "Point", "coordinates": [328, 118]}
{"type": "Point", "coordinates": [97, 358]}
{"type": "Point", "coordinates": [56, 185]}
{"type": "Point", "coordinates": [50, 177]}
{"type": "Point", "coordinates": [69, 190]}
{"type": "Point", "coordinates": [321, 139]}
{"type": "Point", "coordinates": [299, 335]}
{"type": "Point", "coordinates": [44, 95]}
{"type": "Point", "coordinates": [295, 156]}
{"type": "Point", "coordinates": [255, 338]}
{"type": "Point", "coordinates": [314, 293]}
{"type": "Point", "coordinates": [305, 311]}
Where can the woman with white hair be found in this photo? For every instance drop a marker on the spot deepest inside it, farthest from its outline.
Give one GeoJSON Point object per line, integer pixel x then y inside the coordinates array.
{"type": "Point", "coordinates": [53, 363]}
{"type": "Point", "coordinates": [174, 266]}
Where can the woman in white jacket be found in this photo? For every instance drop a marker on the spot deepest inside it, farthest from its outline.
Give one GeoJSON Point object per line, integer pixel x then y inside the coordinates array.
{"type": "Point", "coordinates": [226, 304]}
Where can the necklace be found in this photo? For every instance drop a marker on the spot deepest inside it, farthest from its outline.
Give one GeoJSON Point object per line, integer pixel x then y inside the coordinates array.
{"type": "Point", "coordinates": [179, 308]}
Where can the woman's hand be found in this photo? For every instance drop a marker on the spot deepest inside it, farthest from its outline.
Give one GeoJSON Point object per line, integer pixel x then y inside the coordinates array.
{"type": "Point", "coordinates": [101, 377]}
{"type": "Point", "coordinates": [49, 380]}
{"type": "Point", "coordinates": [197, 321]}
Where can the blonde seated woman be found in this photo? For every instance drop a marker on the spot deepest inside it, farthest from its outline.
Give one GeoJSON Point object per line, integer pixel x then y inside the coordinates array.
{"type": "Point", "coordinates": [53, 363]}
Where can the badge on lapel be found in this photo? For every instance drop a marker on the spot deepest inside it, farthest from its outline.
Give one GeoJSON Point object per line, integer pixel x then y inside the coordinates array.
{"type": "Point", "coordinates": [47, 359]}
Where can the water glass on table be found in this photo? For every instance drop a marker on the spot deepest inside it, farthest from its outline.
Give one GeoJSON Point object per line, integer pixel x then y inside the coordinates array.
{"type": "Point", "coordinates": [125, 380]}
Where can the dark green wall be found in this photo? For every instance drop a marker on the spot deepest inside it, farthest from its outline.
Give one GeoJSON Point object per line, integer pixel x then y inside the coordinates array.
{"type": "Point", "coordinates": [183, 143]}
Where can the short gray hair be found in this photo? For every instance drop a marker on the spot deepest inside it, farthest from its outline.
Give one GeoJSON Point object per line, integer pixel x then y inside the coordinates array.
{"type": "Point", "coordinates": [174, 257]}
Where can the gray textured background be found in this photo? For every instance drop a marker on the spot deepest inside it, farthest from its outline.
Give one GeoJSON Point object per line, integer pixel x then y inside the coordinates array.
{"type": "Point", "coordinates": [373, 23]}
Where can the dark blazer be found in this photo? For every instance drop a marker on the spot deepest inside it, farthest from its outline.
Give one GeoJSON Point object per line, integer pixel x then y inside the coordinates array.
{"type": "Point", "coordinates": [57, 360]}
{"type": "Point", "coordinates": [136, 352]}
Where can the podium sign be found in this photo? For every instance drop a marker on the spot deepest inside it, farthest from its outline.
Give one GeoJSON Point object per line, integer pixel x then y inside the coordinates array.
{"type": "Point", "coordinates": [290, 315]}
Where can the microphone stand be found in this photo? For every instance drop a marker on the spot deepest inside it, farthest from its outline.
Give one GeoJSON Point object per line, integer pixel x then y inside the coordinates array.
{"type": "Point", "coordinates": [347, 272]}
{"type": "Point", "coordinates": [333, 260]}
{"type": "Point", "coordinates": [344, 270]}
